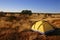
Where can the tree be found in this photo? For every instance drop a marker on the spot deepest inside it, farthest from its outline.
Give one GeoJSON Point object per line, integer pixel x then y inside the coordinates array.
{"type": "Point", "coordinates": [26, 12]}
{"type": "Point", "coordinates": [2, 14]}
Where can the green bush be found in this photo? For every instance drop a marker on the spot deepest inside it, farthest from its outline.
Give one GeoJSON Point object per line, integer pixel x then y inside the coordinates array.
{"type": "Point", "coordinates": [26, 12]}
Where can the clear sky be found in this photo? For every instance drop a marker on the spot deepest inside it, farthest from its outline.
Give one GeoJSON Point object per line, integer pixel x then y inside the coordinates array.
{"type": "Point", "coordinates": [34, 5]}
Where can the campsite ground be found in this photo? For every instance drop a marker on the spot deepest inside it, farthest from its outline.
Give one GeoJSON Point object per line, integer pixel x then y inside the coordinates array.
{"type": "Point", "coordinates": [17, 26]}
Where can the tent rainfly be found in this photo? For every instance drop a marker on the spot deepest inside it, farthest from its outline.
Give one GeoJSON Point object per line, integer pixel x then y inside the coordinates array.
{"type": "Point", "coordinates": [42, 26]}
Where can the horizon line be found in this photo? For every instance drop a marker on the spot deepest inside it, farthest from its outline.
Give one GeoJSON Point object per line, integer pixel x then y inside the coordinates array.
{"type": "Point", "coordinates": [31, 10]}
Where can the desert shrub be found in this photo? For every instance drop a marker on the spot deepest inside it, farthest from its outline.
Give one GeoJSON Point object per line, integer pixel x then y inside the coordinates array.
{"type": "Point", "coordinates": [2, 14]}
{"type": "Point", "coordinates": [11, 18]}
{"type": "Point", "coordinates": [13, 36]}
{"type": "Point", "coordinates": [49, 14]}
{"type": "Point", "coordinates": [38, 13]}
{"type": "Point", "coordinates": [26, 12]}
{"type": "Point", "coordinates": [10, 35]}
{"type": "Point", "coordinates": [16, 28]}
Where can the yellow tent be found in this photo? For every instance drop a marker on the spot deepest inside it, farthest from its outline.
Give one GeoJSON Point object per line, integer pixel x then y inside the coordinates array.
{"type": "Point", "coordinates": [42, 27]}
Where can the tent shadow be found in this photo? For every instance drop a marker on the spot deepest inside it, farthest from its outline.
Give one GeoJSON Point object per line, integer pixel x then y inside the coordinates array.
{"type": "Point", "coordinates": [55, 32]}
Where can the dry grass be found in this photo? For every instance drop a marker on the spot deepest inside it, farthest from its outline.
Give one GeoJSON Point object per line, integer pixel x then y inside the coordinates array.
{"type": "Point", "coordinates": [18, 26]}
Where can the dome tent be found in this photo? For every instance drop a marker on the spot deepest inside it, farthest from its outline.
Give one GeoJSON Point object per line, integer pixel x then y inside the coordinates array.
{"type": "Point", "coordinates": [42, 26]}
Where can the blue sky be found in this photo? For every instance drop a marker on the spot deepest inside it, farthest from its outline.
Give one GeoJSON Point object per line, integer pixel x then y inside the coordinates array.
{"type": "Point", "coordinates": [34, 5]}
